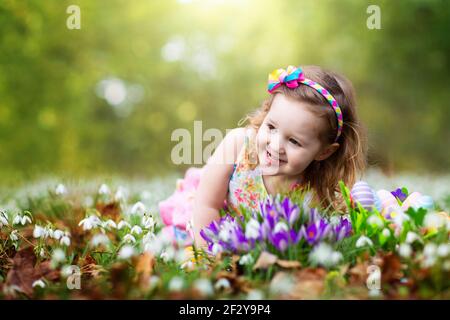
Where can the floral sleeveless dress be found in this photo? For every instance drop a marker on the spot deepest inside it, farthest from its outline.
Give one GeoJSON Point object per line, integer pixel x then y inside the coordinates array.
{"type": "Point", "coordinates": [246, 186]}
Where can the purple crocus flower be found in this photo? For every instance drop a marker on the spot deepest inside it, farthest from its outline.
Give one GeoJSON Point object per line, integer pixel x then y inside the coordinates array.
{"type": "Point", "coordinates": [399, 194]}
{"type": "Point", "coordinates": [343, 229]}
{"type": "Point", "coordinates": [277, 226]}
{"type": "Point", "coordinates": [291, 212]}
{"type": "Point", "coordinates": [280, 240]}
{"type": "Point", "coordinates": [295, 236]}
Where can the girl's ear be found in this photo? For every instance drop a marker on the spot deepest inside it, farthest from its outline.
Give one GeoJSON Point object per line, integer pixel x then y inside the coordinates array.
{"type": "Point", "coordinates": [328, 151]}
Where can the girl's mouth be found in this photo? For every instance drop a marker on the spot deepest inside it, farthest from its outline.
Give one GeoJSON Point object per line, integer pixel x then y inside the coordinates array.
{"type": "Point", "coordinates": [270, 159]}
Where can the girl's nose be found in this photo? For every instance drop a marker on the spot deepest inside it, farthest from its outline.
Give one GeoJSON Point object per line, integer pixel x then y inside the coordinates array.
{"type": "Point", "coordinates": [275, 142]}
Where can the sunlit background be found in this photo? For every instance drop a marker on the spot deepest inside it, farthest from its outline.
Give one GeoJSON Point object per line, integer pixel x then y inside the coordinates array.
{"type": "Point", "coordinates": [105, 99]}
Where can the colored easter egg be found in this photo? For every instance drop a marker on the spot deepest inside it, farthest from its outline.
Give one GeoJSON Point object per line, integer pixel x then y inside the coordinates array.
{"type": "Point", "coordinates": [363, 193]}
{"type": "Point", "coordinates": [377, 202]}
{"type": "Point", "coordinates": [386, 199]}
{"type": "Point", "coordinates": [425, 202]}
{"type": "Point", "coordinates": [412, 201]}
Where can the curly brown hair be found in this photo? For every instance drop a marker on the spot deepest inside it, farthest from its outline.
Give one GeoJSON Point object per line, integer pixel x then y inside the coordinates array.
{"type": "Point", "coordinates": [347, 163]}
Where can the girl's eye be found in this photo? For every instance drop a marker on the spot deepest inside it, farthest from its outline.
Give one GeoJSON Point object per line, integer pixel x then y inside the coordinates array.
{"type": "Point", "coordinates": [271, 127]}
{"type": "Point", "coordinates": [293, 141]}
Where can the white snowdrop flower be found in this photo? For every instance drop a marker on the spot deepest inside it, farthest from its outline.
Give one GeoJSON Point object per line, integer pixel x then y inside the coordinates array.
{"type": "Point", "coordinates": [176, 284]}
{"type": "Point", "coordinates": [246, 259]}
{"type": "Point", "coordinates": [386, 232]}
{"type": "Point", "coordinates": [42, 253]}
{"type": "Point", "coordinates": [405, 250]}
{"type": "Point", "coordinates": [336, 257]}
{"type": "Point", "coordinates": [65, 241]}
{"type": "Point", "coordinates": [411, 237]}
{"type": "Point", "coordinates": [363, 241]}
{"type": "Point", "coordinates": [255, 295]}
{"type": "Point", "coordinates": [109, 224]}
{"type": "Point", "coordinates": [90, 222]}
{"type": "Point", "coordinates": [126, 252]}
{"type": "Point", "coordinates": [17, 219]}
{"type": "Point", "coordinates": [122, 224]}
{"type": "Point", "coordinates": [434, 220]}
{"type": "Point", "coordinates": [282, 285]}
{"type": "Point", "coordinates": [121, 194]}
{"type": "Point", "coordinates": [204, 286]}
{"type": "Point", "coordinates": [443, 250]}
{"type": "Point", "coordinates": [153, 282]}
{"type": "Point", "coordinates": [99, 239]}
{"type": "Point", "coordinates": [13, 235]}
{"type": "Point", "coordinates": [60, 189]}
{"type": "Point", "coordinates": [375, 221]}
{"type": "Point", "coordinates": [38, 283]}
{"type": "Point", "coordinates": [104, 190]}
{"type": "Point", "coordinates": [153, 244]}
{"type": "Point", "coordinates": [57, 234]}
{"type": "Point", "coordinates": [222, 284]}
{"type": "Point", "coordinates": [136, 230]}
{"type": "Point", "coordinates": [280, 226]}
{"type": "Point", "coordinates": [38, 231]}
{"type": "Point", "coordinates": [48, 232]}
{"type": "Point", "coordinates": [430, 249]}
{"type": "Point", "coordinates": [216, 249]}
{"type": "Point", "coordinates": [138, 208]}
{"type": "Point", "coordinates": [323, 254]}
{"type": "Point", "coordinates": [58, 255]}
{"type": "Point", "coordinates": [129, 238]}
{"type": "Point", "coordinates": [25, 220]}
{"type": "Point", "coordinates": [252, 229]}
{"type": "Point", "coordinates": [168, 254]}
{"type": "Point", "coordinates": [187, 265]}
{"type": "Point", "coordinates": [3, 219]}
{"type": "Point", "coordinates": [148, 222]}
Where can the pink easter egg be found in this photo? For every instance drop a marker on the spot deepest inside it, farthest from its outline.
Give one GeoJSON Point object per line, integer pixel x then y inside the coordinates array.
{"type": "Point", "coordinates": [412, 200]}
{"type": "Point", "coordinates": [386, 199]}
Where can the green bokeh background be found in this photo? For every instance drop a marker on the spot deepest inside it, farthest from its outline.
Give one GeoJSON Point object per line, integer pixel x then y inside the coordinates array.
{"type": "Point", "coordinates": [180, 61]}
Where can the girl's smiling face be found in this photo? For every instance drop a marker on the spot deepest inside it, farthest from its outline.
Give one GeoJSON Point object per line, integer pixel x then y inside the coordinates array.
{"type": "Point", "coordinates": [288, 140]}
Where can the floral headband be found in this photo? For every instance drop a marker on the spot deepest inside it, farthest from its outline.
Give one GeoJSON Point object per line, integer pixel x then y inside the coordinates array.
{"type": "Point", "coordinates": [291, 77]}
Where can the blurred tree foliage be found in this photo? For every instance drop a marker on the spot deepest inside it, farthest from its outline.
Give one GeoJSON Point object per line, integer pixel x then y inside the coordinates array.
{"type": "Point", "coordinates": [173, 62]}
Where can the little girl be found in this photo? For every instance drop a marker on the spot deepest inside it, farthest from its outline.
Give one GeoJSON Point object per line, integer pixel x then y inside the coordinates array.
{"type": "Point", "coordinates": [306, 134]}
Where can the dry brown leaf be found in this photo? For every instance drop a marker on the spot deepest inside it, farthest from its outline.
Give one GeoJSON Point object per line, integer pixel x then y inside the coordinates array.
{"type": "Point", "coordinates": [25, 271]}
{"type": "Point", "coordinates": [391, 269]}
{"type": "Point", "coordinates": [289, 264]}
{"type": "Point", "coordinates": [265, 260]}
{"type": "Point", "coordinates": [309, 284]}
{"type": "Point", "coordinates": [22, 273]}
{"type": "Point", "coordinates": [111, 210]}
{"type": "Point", "coordinates": [144, 268]}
